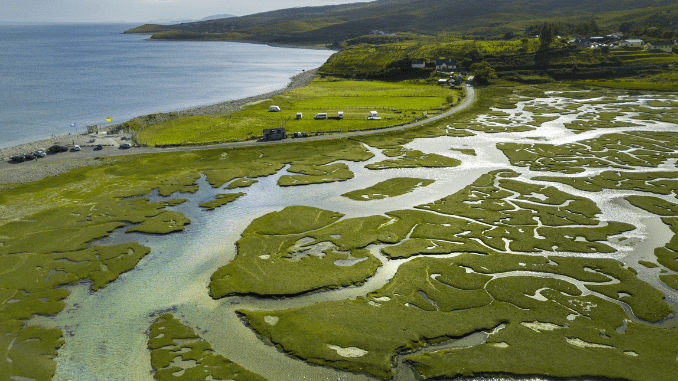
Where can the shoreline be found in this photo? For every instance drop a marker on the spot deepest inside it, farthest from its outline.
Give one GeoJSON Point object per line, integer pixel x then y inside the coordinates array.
{"type": "Point", "coordinates": [86, 139]}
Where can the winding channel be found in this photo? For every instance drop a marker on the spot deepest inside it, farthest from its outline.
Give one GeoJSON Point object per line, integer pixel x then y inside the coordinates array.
{"type": "Point", "coordinates": [105, 332]}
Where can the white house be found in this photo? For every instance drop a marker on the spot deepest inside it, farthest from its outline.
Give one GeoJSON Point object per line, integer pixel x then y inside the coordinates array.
{"type": "Point", "coordinates": [581, 42]}
{"type": "Point", "coordinates": [631, 43]}
{"type": "Point", "coordinates": [664, 46]}
{"type": "Point", "coordinates": [418, 64]}
{"type": "Point", "coordinates": [447, 64]}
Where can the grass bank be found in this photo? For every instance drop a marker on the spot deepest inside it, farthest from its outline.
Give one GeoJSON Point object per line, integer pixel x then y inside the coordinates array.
{"type": "Point", "coordinates": [396, 102]}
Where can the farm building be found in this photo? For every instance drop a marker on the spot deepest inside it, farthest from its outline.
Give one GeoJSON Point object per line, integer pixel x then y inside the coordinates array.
{"type": "Point", "coordinates": [418, 64]}
{"type": "Point", "coordinates": [274, 134]}
{"type": "Point", "coordinates": [665, 46]}
{"type": "Point", "coordinates": [447, 64]}
{"type": "Point", "coordinates": [581, 42]}
{"type": "Point", "coordinates": [631, 43]}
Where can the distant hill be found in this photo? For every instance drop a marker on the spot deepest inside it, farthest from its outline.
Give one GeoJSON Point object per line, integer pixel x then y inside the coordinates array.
{"type": "Point", "coordinates": [169, 22]}
{"type": "Point", "coordinates": [483, 18]}
{"type": "Point", "coordinates": [217, 17]}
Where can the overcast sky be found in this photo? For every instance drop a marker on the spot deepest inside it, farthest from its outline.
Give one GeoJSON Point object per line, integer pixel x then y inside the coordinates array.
{"type": "Point", "coordinates": [140, 10]}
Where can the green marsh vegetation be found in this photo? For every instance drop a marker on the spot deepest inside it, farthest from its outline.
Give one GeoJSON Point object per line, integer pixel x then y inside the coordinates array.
{"type": "Point", "coordinates": [660, 183]}
{"type": "Point", "coordinates": [297, 250]}
{"type": "Point", "coordinates": [414, 159]}
{"type": "Point", "coordinates": [221, 200]}
{"type": "Point", "coordinates": [47, 227]}
{"type": "Point", "coordinates": [622, 151]}
{"type": "Point", "coordinates": [570, 312]}
{"type": "Point", "coordinates": [178, 353]}
{"type": "Point", "coordinates": [316, 174]}
{"type": "Point", "coordinates": [465, 151]}
{"type": "Point", "coordinates": [389, 188]}
{"type": "Point", "coordinates": [493, 222]}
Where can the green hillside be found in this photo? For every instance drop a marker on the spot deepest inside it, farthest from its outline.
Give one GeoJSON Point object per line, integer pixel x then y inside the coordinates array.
{"type": "Point", "coordinates": [481, 18]}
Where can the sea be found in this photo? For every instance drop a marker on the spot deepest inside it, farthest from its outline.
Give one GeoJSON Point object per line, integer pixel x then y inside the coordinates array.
{"type": "Point", "coordinates": [55, 79]}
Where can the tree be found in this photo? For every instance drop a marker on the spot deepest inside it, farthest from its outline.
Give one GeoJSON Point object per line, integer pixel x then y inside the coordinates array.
{"type": "Point", "coordinates": [482, 73]}
{"type": "Point", "coordinates": [546, 36]}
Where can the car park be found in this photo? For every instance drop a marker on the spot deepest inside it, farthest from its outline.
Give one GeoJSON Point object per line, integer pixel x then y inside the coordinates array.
{"type": "Point", "coordinates": [39, 153]}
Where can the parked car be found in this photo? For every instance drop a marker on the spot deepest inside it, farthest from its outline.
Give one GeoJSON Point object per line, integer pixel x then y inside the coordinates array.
{"type": "Point", "coordinates": [321, 115]}
{"type": "Point", "coordinates": [125, 145]}
{"type": "Point", "coordinates": [39, 153]}
{"type": "Point", "coordinates": [75, 148]}
{"type": "Point", "coordinates": [29, 156]}
{"type": "Point", "coordinates": [98, 147]}
{"type": "Point", "coordinates": [57, 148]}
{"type": "Point", "coordinates": [18, 158]}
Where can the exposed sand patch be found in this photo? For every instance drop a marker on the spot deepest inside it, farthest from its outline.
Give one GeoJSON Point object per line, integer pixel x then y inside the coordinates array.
{"type": "Point", "coordinates": [348, 352]}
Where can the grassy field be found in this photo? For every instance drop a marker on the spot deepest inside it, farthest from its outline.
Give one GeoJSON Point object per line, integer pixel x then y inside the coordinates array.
{"type": "Point", "coordinates": [396, 103]}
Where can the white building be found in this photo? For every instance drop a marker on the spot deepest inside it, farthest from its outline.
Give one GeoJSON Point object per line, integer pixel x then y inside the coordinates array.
{"type": "Point", "coordinates": [418, 64]}
{"type": "Point", "coordinates": [631, 43]}
{"type": "Point", "coordinates": [664, 46]}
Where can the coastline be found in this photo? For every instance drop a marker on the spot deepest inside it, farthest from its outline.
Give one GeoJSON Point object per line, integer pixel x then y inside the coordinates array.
{"type": "Point", "coordinates": [34, 170]}
{"type": "Point", "coordinates": [221, 108]}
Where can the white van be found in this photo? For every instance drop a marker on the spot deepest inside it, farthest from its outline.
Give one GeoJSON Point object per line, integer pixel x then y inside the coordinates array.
{"type": "Point", "coordinates": [273, 109]}
{"type": "Point", "coordinates": [321, 115]}
{"type": "Point", "coordinates": [340, 115]}
{"type": "Point", "coordinates": [299, 115]}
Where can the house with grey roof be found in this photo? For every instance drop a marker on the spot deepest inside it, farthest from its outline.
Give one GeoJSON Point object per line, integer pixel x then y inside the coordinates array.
{"type": "Point", "coordinates": [446, 64]}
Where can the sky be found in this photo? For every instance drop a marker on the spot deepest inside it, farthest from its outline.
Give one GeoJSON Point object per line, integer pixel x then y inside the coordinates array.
{"type": "Point", "coordinates": [140, 11]}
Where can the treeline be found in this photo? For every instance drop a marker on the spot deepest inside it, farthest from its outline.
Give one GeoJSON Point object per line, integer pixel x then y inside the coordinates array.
{"type": "Point", "coordinates": [631, 29]}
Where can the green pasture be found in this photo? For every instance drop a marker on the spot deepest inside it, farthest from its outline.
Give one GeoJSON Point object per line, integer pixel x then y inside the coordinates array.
{"type": "Point", "coordinates": [396, 103]}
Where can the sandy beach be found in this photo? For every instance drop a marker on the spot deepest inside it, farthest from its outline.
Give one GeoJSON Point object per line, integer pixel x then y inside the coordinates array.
{"type": "Point", "coordinates": [12, 173]}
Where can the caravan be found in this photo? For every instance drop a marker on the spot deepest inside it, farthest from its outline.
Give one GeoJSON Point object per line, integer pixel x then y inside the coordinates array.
{"type": "Point", "coordinates": [373, 116]}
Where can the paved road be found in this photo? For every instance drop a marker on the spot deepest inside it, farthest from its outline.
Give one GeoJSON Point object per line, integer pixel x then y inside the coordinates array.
{"type": "Point", "coordinates": [87, 152]}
